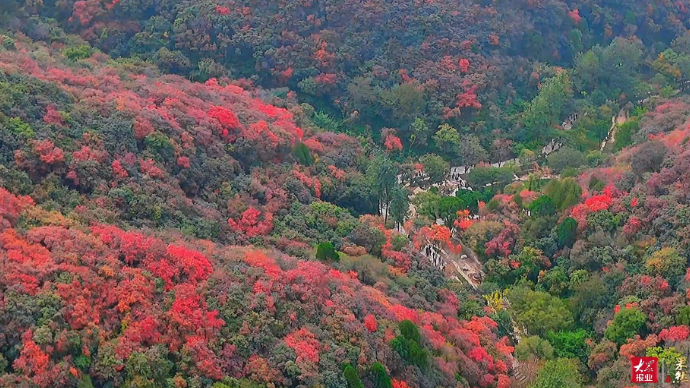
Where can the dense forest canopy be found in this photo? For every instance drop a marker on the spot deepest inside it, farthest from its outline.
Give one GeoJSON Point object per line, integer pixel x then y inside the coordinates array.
{"type": "Point", "coordinates": [476, 65]}
{"type": "Point", "coordinates": [379, 194]}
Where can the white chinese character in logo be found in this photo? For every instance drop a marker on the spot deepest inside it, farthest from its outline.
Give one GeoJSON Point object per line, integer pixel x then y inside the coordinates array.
{"type": "Point", "coordinates": [642, 367]}
{"type": "Point", "coordinates": [680, 371]}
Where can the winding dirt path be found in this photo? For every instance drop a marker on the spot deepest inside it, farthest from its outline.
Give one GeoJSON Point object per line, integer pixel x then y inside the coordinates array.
{"type": "Point", "coordinates": [616, 121]}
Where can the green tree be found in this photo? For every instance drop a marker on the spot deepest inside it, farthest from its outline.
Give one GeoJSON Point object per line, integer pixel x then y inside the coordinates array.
{"type": "Point", "coordinates": [624, 134]}
{"type": "Point", "coordinates": [569, 172]}
{"type": "Point", "coordinates": [159, 144]}
{"type": "Point", "coordinates": [231, 382]}
{"type": "Point", "coordinates": [683, 317]}
{"type": "Point", "coordinates": [565, 192]}
{"type": "Point", "coordinates": [539, 312]}
{"type": "Point", "coordinates": [499, 177]}
{"type": "Point", "coordinates": [570, 344]}
{"type": "Point", "coordinates": [400, 205]}
{"type": "Point", "coordinates": [545, 110]}
{"type": "Point", "coordinates": [555, 281]}
{"type": "Point", "coordinates": [3, 364]}
{"type": "Point", "coordinates": [20, 128]}
{"type": "Point", "coordinates": [448, 208]}
{"type": "Point", "coordinates": [527, 156]}
{"type": "Point", "coordinates": [626, 324]}
{"type": "Point", "coordinates": [668, 263]}
{"type": "Point", "coordinates": [588, 297]}
{"type": "Point", "coordinates": [411, 351]}
{"type": "Point", "coordinates": [171, 61]}
{"type": "Point", "coordinates": [150, 365]}
{"type": "Point", "coordinates": [352, 377]}
{"type": "Point", "coordinates": [381, 174]}
{"type": "Point", "coordinates": [208, 68]}
{"type": "Point", "coordinates": [471, 198]}
{"type": "Point", "coordinates": [595, 157]}
{"type": "Point", "coordinates": [533, 347]}
{"type": "Point", "coordinates": [470, 150]}
{"type": "Point", "coordinates": [503, 176]}
{"type": "Point", "coordinates": [559, 373]}
{"type": "Point", "coordinates": [427, 204]}
{"type": "Point", "coordinates": [610, 71]}
{"type": "Point", "coordinates": [621, 62]}
{"type": "Point", "coordinates": [479, 177]}
{"type": "Point", "coordinates": [542, 207]}
{"type": "Point", "coordinates": [587, 69]}
{"type": "Point", "coordinates": [403, 102]}
{"type": "Point", "coordinates": [533, 182]}
{"type": "Point", "coordinates": [8, 43]}
{"type": "Point", "coordinates": [381, 377]}
{"type": "Point", "coordinates": [409, 330]}
{"type": "Point", "coordinates": [78, 52]}
{"type": "Point", "coordinates": [517, 198]}
{"type": "Point", "coordinates": [302, 154]}
{"type": "Point", "coordinates": [567, 232]}
{"type": "Point", "coordinates": [420, 133]}
{"type": "Point", "coordinates": [675, 66]}
{"type": "Point", "coordinates": [152, 37]}
{"type": "Point", "coordinates": [325, 252]}
{"type": "Point", "coordinates": [326, 122]}
{"type": "Point", "coordinates": [564, 158]}
{"type": "Point", "coordinates": [435, 167]}
{"type": "Point", "coordinates": [408, 346]}
{"type": "Point", "coordinates": [447, 139]}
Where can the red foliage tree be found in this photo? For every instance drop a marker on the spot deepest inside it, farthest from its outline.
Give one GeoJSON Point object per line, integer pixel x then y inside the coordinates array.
{"type": "Point", "coordinates": [464, 221]}
{"type": "Point", "coordinates": [308, 181]}
{"type": "Point", "coordinates": [206, 361]}
{"type": "Point", "coordinates": [393, 143]}
{"type": "Point", "coordinates": [220, 10]}
{"type": "Point", "coordinates": [190, 316]}
{"type": "Point", "coordinates": [502, 245]}
{"type": "Point", "coordinates": [259, 259]}
{"type": "Point", "coordinates": [252, 223]}
{"type": "Point", "coordinates": [464, 65]}
{"type": "Point", "coordinates": [181, 264]}
{"type": "Point", "coordinates": [53, 117]}
{"type": "Point", "coordinates": [85, 11]}
{"type": "Point", "coordinates": [142, 128]}
{"type": "Point", "coordinates": [468, 99]}
{"type": "Point", "coordinates": [305, 345]}
{"type": "Point", "coordinates": [633, 226]}
{"type": "Point", "coordinates": [227, 118]}
{"type": "Point", "coordinates": [598, 202]}
{"type": "Point", "coordinates": [575, 16]}
{"type": "Point", "coordinates": [370, 323]}
{"type": "Point", "coordinates": [336, 172]}
{"type": "Point", "coordinates": [34, 362]}
{"type": "Point", "coordinates": [402, 313]}
{"type": "Point", "coordinates": [503, 381]}
{"type": "Point", "coordinates": [437, 235]}
{"type": "Point", "coordinates": [183, 162]}
{"type": "Point", "coordinates": [675, 333]}
{"type": "Point", "coordinates": [48, 153]}
{"type": "Point", "coordinates": [637, 346]}
{"type": "Point", "coordinates": [10, 207]}
{"type": "Point", "coordinates": [148, 167]}
{"type": "Point", "coordinates": [399, 384]}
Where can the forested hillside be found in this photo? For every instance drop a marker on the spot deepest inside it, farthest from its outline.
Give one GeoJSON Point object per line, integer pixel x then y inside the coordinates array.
{"type": "Point", "coordinates": [348, 194]}
{"type": "Point", "coordinates": [405, 65]}
{"type": "Point", "coordinates": [94, 148]}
